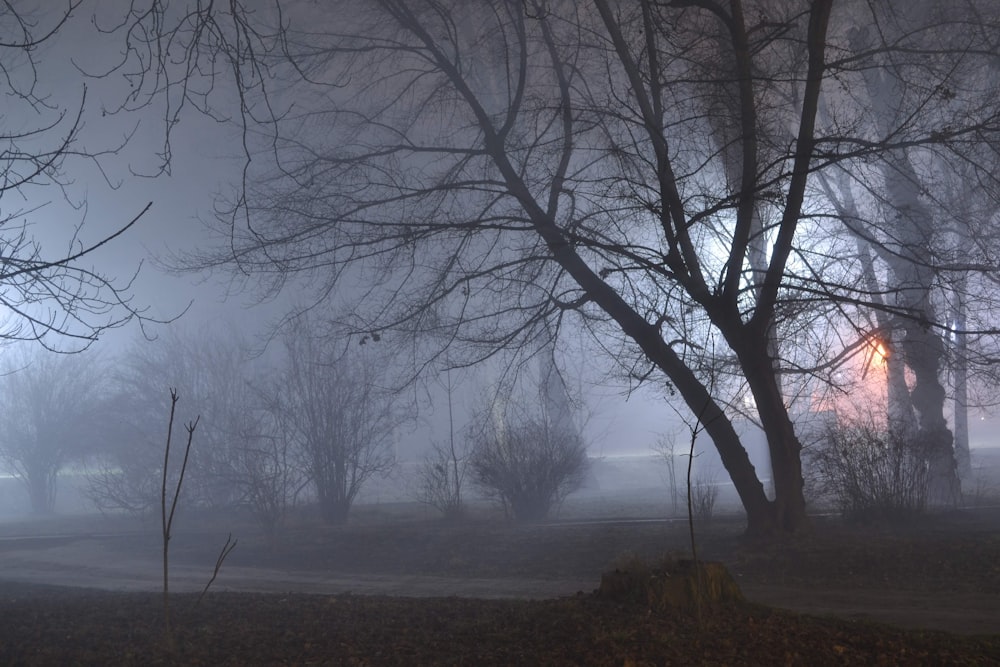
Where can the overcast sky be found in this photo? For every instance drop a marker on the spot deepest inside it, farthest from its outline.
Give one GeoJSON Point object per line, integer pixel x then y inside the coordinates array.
{"type": "Point", "coordinates": [206, 163]}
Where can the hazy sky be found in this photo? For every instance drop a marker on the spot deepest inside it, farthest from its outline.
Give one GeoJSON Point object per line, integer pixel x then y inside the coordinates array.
{"type": "Point", "coordinates": [206, 162]}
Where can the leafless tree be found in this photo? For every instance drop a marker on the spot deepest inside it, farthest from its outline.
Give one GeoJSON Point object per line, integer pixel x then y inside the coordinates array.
{"type": "Point", "coordinates": [912, 236]}
{"type": "Point", "coordinates": [265, 465]}
{"type": "Point", "coordinates": [49, 417]}
{"type": "Point", "coordinates": [528, 468]}
{"type": "Point", "coordinates": [164, 58]}
{"type": "Point", "coordinates": [487, 173]}
{"type": "Point", "coordinates": [441, 479]}
{"type": "Point", "coordinates": [665, 449]}
{"type": "Point", "coordinates": [214, 370]}
{"type": "Point", "coordinates": [340, 411]}
{"type": "Point", "coordinates": [525, 454]}
{"type": "Point", "coordinates": [441, 476]}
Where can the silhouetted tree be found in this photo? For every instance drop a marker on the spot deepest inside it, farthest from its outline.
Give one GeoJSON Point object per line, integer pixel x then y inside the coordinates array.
{"type": "Point", "coordinates": [50, 408]}
{"type": "Point", "coordinates": [243, 458]}
{"type": "Point", "coordinates": [336, 406]}
{"type": "Point", "coordinates": [528, 455]}
{"type": "Point", "coordinates": [441, 475]}
{"type": "Point", "coordinates": [486, 172]}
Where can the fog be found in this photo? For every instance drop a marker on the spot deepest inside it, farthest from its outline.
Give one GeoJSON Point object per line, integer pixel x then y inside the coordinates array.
{"type": "Point", "coordinates": [430, 301]}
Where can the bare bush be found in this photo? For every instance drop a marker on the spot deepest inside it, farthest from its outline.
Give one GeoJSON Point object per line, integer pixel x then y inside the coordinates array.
{"type": "Point", "coordinates": [123, 485]}
{"type": "Point", "coordinates": [264, 467]}
{"type": "Point", "coordinates": [870, 472]}
{"type": "Point", "coordinates": [440, 480]}
{"type": "Point", "coordinates": [704, 493]}
{"type": "Point", "coordinates": [528, 467]}
{"type": "Point", "coordinates": [210, 367]}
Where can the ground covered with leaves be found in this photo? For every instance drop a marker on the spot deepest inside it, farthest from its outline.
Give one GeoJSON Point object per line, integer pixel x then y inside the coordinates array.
{"type": "Point", "coordinates": [58, 626]}
{"type": "Point", "coordinates": [944, 561]}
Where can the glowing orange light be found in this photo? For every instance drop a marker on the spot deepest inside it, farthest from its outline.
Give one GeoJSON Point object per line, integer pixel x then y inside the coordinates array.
{"type": "Point", "coordinates": [878, 352]}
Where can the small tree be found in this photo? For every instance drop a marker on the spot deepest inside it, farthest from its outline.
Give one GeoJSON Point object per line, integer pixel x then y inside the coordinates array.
{"type": "Point", "coordinates": [336, 406]}
{"type": "Point", "coordinates": [126, 474]}
{"type": "Point", "coordinates": [213, 369]}
{"type": "Point", "coordinates": [441, 478]}
{"type": "Point", "coordinates": [263, 464]}
{"type": "Point", "coordinates": [665, 448]}
{"type": "Point", "coordinates": [704, 493]}
{"type": "Point", "coordinates": [528, 464]}
{"type": "Point", "coordinates": [48, 405]}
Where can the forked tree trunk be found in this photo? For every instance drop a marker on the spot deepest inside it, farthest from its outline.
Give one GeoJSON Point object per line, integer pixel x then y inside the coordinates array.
{"type": "Point", "coordinates": [789, 505]}
{"type": "Point", "coordinates": [765, 517]}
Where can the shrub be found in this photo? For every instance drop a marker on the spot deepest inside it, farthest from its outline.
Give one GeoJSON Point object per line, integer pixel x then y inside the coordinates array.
{"type": "Point", "coordinates": [870, 472]}
{"type": "Point", "coordinates": [440, 480]}
{"type": "Point", "coordinates": [704, 493]}
{"type": "Point", "coordinates": [528, 467]}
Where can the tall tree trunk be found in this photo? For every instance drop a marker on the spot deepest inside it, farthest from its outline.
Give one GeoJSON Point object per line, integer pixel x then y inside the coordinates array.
{"type": "Point", "coordinates": [726, 113]}
{"type": "Point", "coordinates": [963, 456]}
{"type": "Point", "coordinates": [899, 409]}
{"type": "Point", "coordinates": [912, 275]}
{"type": "Point", "coordinates": [762, 517]}
{"type": "Point", "coordinates": [922, 347]}
{"type": "Point", "coordinates": [789, 506]}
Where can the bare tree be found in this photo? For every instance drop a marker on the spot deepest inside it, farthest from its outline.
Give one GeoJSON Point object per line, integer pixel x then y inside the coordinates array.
{"type": "Point", "coordinates": [665, 449]}
{"type": "Point", "coordinates": [336, 405]}
{"type": "Point", "coordinates": [912, 234]}
{"type": "Point", "coordinates": [441, 477]}
{"type": "Point", "coordinates": [49, 417]}
{"type": "Point", "coordinates": [241, 445]}
{"type": "Point", "coordinates": [484, 202]}
{"type": "Point", "coordinates": [265, 465]}
{"type": "Point", "coordinates": [526, 455]}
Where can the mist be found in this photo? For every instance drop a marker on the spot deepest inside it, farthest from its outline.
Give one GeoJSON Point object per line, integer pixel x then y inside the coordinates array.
{"type": "Point", "coordinates": [678, 320]}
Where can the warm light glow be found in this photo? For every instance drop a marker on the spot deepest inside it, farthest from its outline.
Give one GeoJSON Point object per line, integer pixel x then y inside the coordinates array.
{"type": "Point", "coordinates": [879, 352]}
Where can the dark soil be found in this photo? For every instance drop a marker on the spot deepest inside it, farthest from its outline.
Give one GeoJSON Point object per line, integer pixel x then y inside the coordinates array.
{"type": "Point", "coordinates": [61, 626]}
{"type": "Point", "coordinates": [943, 574]}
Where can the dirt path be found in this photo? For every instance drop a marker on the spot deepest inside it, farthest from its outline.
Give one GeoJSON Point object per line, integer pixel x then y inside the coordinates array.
{"type": "Point", "coordinates": [115, 562]}
{"type": "Point", "coordinates": [960, 613]}
{"type": "Point", "coordinates": [131, 561]}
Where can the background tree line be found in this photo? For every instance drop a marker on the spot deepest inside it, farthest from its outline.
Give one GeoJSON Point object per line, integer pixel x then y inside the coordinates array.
{"type": "Point", "coordinates": [733, 199]}
{"type": "Point", "coordinates": [307, 424]}
{"type": "Point", "coordinates": [696, 184]}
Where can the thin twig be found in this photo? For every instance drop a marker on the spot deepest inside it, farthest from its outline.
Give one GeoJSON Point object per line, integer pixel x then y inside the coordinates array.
{"type": "Point", "coordinates": [226, 550]}
{"type": "Point", "coordinates": [167, 519]}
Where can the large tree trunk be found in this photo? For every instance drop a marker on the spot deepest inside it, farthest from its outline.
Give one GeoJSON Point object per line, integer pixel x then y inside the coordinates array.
{"type": "Point", "coordinates": [963, 456]}
{"type": "Point", "coordinates": [789, 505]}
{"type": "Point", "coordinates": [922, 347]}
{"type": "Point", "coordinates": [912, 276]}
{"type": "Point", "coordinates": [763, 515]}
